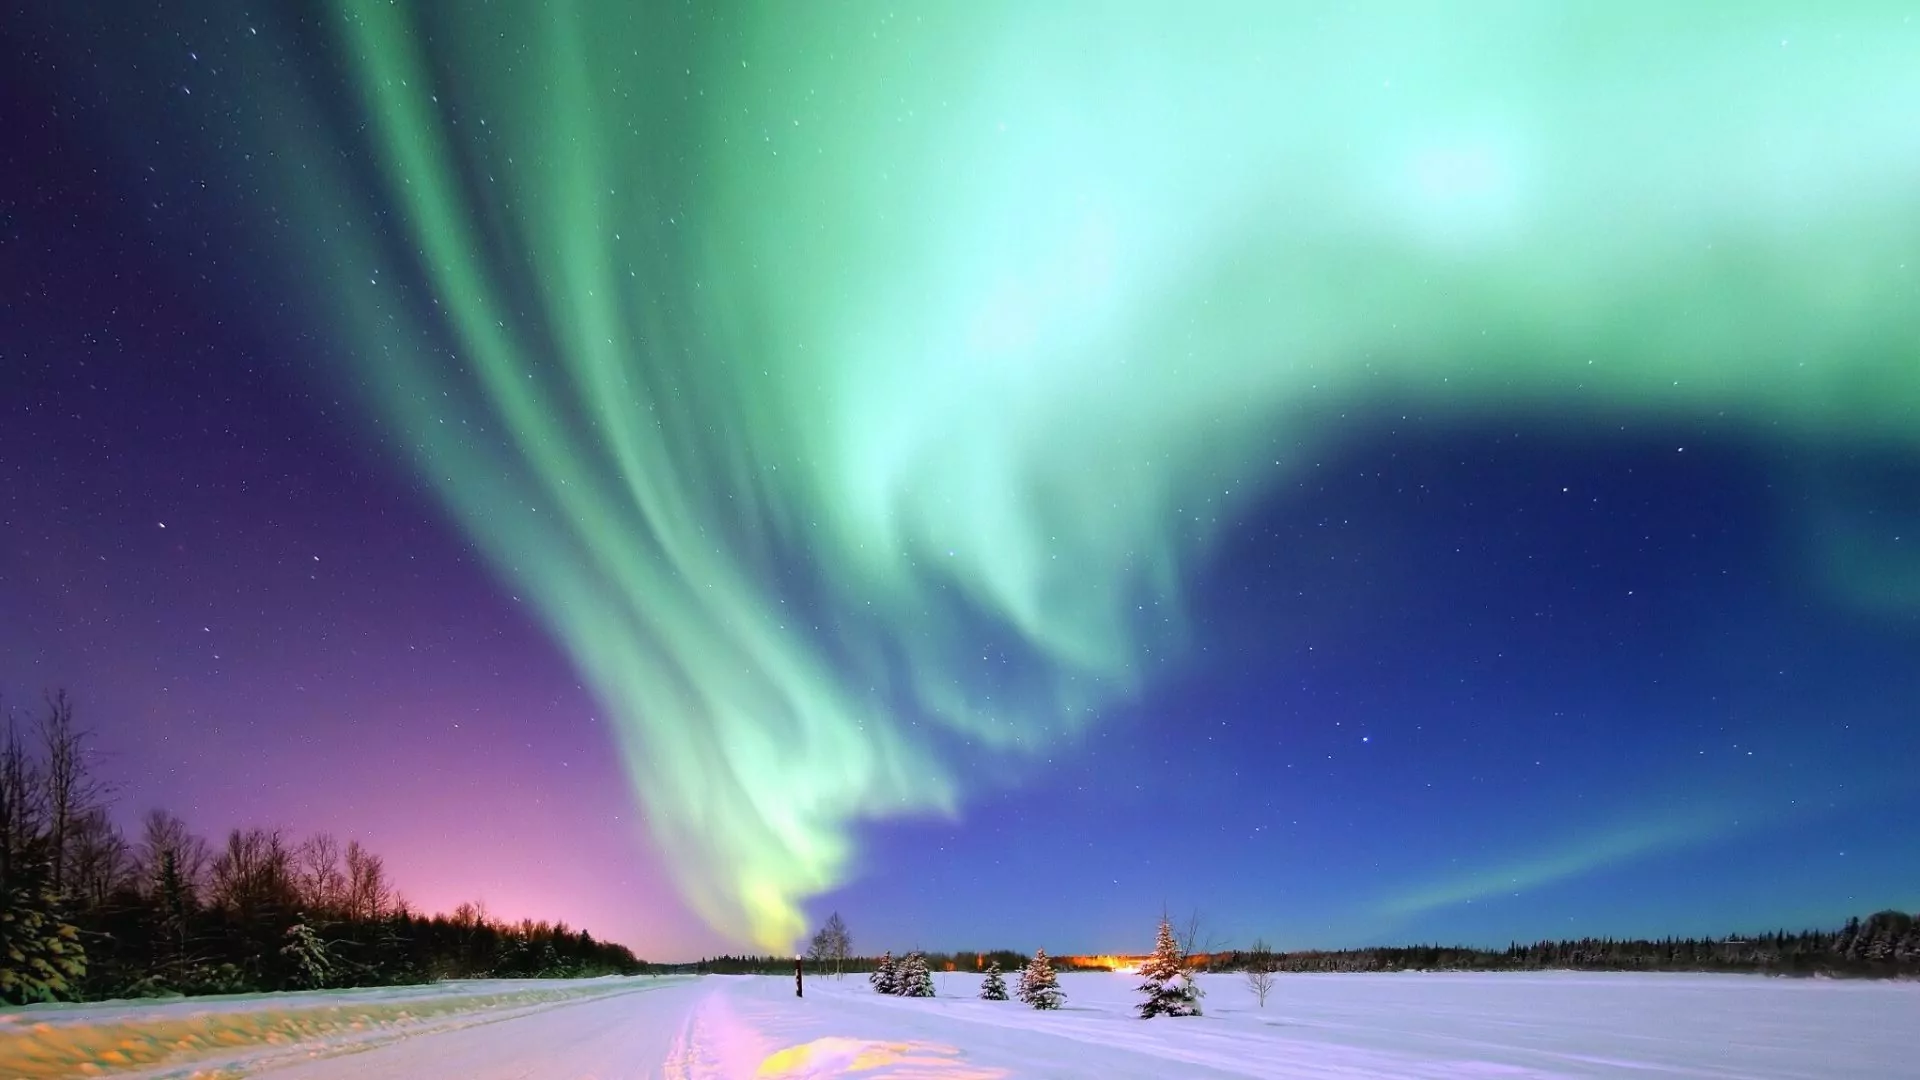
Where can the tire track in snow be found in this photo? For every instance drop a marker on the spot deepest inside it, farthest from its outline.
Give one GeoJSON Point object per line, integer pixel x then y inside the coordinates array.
{"type": "Point", "coordinates": [715, 1042]}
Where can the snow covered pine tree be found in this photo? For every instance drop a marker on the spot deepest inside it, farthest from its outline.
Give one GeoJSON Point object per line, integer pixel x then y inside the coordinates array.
{"type": "Point", "coordinates": [915, 979]}
{"type": "Point", "coordinates": [307, 956]}
{"type": "Point", "coordinates": [885, 979]}
{"type": "Point", "coordinates": [1169, 989]}
{"type": "Point", "coordinates": [995, 987]}
{"type": "Point", "coordinates": [1039, 987]}
{"type": "Point", "coordinates": [41, 958]}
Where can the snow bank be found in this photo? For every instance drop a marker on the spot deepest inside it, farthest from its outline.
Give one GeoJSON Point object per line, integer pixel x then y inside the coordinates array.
{"type": "Point", "coordinates": [1509, 1026]}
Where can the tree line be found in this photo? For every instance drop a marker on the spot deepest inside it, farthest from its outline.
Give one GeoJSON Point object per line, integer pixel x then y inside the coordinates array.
{"type": "Point", "coordinates": [957, 960]}
{"type": "Point", "coordinates": [1884, 944]}
{"type": "Point", "coordinates": [88, 913]}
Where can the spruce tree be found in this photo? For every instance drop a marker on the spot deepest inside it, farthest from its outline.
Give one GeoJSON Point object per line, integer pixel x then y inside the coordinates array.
{"type": "Point", "coordinates": [172, 898]}
{"type": "Point", "coordinates": [306, 956]}
{"type": "Point", "coordinates": [995, 988]}
{"type": "Point", "coordinates": [1039, 987]}
{"type": "Point", "coordinates": [885, 978]}
{"type": "Point", "coordinates": [1169, 990]}
{"type": "Point", "coordinates": [915, 979]}
{"type": "Point", "coordinates": [41, 958]}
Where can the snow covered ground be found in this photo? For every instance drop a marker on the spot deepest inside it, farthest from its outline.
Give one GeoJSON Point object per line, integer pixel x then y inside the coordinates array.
{"type": "Point", "coordinates": [1509, 1026]}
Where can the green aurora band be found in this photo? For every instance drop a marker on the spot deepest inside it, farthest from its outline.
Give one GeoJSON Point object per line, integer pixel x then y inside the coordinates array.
{"type": "Point", "coordinates": [848, 385]}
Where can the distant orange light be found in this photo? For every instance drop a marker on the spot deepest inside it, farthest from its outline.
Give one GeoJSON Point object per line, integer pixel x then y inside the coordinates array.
{"type": "Point", "coordinates": [1099, 963]}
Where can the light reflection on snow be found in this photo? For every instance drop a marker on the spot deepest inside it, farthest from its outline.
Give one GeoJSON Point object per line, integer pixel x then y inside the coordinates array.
{"type": "Point", "coordinates": [836, 1055]}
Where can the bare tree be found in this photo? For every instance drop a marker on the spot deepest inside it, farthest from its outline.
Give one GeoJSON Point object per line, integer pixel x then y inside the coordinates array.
{"type": "Point", "coordinates": [831, 944]}
{"type": "Point", "coordinates": [22, 802]}
{"type": "Point", "coordinates": [369, 893]}
{"type": "Point", "coordinates": [70, 792]}
{"type": "Point", "coordinates": [1196, 949]}
{"type": "Point", "coordinates": [1259, 970]}
{"type": "Point", "coordinates": [323, 888]}
{"type": "Point", "coordinates": [253, 874]}
{"type": "Point", "coordinates": [99, 862]}
{"type": "Point", "coordinates": [842, 944]}
{"type": "Point", "coordinates": [471, 914]}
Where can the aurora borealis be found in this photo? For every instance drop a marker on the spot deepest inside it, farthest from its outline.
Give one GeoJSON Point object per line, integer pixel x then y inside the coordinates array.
{"type": "Point", "coordinates": [878, 407]}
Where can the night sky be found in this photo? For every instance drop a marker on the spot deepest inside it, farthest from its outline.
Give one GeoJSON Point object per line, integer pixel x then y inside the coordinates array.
{"type": "Point", "coordinates": [1398, 474]}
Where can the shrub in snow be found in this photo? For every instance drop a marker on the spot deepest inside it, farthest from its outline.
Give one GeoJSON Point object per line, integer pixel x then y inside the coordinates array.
{"type": "Point", "coordinates": [885, 979]}
{"type": "Point", "coordinates": [1039, 987]}
{"type": "Point", "coordinates": [215, 979]}
{"type": "Point", "coordinates": [995, 988]}
{"type": "Point", "coordinates": [915, 979]}
{"type": "Point", "coordinates": [1169, 989]}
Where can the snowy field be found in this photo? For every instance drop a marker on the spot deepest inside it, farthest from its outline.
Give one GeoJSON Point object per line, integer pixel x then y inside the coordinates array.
{"type": "Point", "coordinates": [1508, 1026]}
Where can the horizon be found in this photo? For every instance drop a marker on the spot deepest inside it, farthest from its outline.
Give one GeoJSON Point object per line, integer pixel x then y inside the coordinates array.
{"type": "Point", "coordinates": [128, 822]}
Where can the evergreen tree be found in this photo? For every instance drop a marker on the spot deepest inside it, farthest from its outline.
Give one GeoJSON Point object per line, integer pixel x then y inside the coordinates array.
{"type": "Point", "coordinates": [1039, 987]}
{"type": "Point", "coordinates": [1169, 989]}
{"type": "Point", "coordinates": [915, 979]}
{"type": "Point", "coordinates": [1852, 943]}
{"type": "Point", "coordinates": [170, 917]}
{"type": "Point", "coordinates": [995, 988]}
{"type": "Point", "coordinates": [885, 977]}
{"type": "Point", "coordinates": [309, 966]}
{"type": "Point", "coordinates": [41, 958]}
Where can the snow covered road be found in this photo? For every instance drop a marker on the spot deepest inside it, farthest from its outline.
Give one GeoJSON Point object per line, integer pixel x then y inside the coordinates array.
{"type": "Point", "coordinates": [1510, 1026]}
